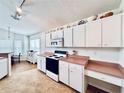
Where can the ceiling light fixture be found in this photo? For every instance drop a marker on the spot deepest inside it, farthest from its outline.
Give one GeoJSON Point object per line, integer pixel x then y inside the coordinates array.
{"type": "Point", "coordinates": [19, 10]}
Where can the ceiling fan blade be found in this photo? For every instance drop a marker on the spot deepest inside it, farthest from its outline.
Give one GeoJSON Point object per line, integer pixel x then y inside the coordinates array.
{"type": "Point", "coordinates": [22, 3]}
{"type": "Point", "coordinates": [17, 16]}
{"type": "Point", "coordinates": [29, 2]}
{"type": "Point", "coordinates": [14, 17]}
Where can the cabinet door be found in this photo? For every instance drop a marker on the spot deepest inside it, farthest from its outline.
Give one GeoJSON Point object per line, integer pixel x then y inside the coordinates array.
{"type": "Point", "coordinates": [76, 77]}
{"type": "Point", "coordinates": [39, 65]}
{"type": "Point", "coordinates": [60, 34]}
{"type": "Point", "coordinates": [53, 35]}
{"type": "Point", "coordinates": [111, 31]}
{"type": "Point", "coordinates": [43, 64]}
{"type": "Point", "coordinates": [79, 36]}
{"type": "Point", "coordinates": [63, 72]}
{"type": "Point", "coordinates": [68, 37]}
{"type": "Point", "coordinates": [93, 34]}
{"type": "Point", "coordinates": [57, 34]}
{"type": "Point", "coordinates": [3, 68]}
{"type": "Point", "coordinates": [48, 37]}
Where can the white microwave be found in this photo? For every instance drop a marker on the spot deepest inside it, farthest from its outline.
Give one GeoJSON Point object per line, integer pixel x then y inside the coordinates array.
{"type": "Point", "coordinates": [57, 42]}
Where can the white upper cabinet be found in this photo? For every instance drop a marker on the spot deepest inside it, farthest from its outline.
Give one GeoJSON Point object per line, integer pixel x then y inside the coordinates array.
{"type": "Point", "coordinates": [48, 40]}
{"type": "Point", "coordinates": [111, 31]}
{"type": "Point", "coordinates": [57, 34]}
{"type": "Point", "coordinates": [79, 36]}
{"type": "Point", "coordinates": [60, 34]}
{"type": "Point", "coordinates": [68, 37]}
{"type": "Point", "coordinates": [53, 35]}
{"type": "Point", "coordinates": [93, 34]}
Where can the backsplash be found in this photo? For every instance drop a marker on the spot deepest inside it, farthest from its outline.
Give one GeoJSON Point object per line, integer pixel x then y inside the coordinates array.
{"type": "Point", "coordinates": [103, 54]}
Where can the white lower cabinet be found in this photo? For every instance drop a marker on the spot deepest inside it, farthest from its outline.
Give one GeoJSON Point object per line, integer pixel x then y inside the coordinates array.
{"type": "Point", "coordinates": [41, 64]}
{"type": "Point", "coordinates": [63, 72]}
{"type": "Point", "coordinates": [71, 75]}
{"type": "Point", "coordinates": [76, 77]}
{"type": "Point", "coordinates": [123, 83]}
{"type": "Point", "coordinates": [3, 68]}
{"type": "Point", "coordinates": [122, 90]}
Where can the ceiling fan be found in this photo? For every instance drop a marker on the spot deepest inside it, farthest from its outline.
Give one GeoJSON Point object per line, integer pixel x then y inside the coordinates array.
{"type": "Point", "coordinates": [18, 12]}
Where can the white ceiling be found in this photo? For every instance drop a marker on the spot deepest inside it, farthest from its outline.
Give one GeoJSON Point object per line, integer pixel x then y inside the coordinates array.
{"type": "Point", "coordinates": [43, 15]}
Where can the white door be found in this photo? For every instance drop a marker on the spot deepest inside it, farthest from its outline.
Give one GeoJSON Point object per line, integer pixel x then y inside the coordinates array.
{"type": "Point", "coordinates": [93, 34]}
{"type": "Point", "coordinates": [79, 36]}
{"type": "Point", "coordinates": [111, 31]}
{"type": "Point", "coordinates": [76, 77]}
{"type": "Point", "coordinates": [48, 37]}
{"type": "Point", "coordinates": [68, 37]}
{"type": "Point", "coordinates": [43, 64]}
{"type": "Point", "coordinates": [63, 72]}
{"type": "Point", "coordinates": [3, 68]}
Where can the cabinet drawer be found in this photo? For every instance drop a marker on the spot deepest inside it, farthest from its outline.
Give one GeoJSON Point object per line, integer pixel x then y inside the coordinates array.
{"type": "Point", "coordinates": [75, 67]}
{"type": "Point", "coordinates": [63, 63]}
{"type": "Point", "coordinates": [104, 77]}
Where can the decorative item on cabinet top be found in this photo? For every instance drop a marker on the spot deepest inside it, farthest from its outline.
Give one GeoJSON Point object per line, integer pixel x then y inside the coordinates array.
{"type": "Point", "coordinates": [107, 15]}
{"type": "Point", "coordinates": [82, 22]}
{"type": "Point", "coordinates": [92, 18]}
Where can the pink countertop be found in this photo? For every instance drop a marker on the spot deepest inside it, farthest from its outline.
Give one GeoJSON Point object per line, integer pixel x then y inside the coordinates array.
{"type": "Point", "coordinates": [94, 65]}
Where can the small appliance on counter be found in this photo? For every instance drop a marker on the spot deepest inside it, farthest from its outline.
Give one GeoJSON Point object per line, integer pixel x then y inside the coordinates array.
{"type": "Point", "coordinates": [52, 64]}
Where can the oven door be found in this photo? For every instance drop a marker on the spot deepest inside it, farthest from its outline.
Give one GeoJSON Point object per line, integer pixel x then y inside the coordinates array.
{"type": "Point", "coordinates": [52, 65]}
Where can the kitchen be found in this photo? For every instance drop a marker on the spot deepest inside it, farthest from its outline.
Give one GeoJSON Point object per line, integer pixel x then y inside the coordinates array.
{"type": "Point", "coordinates": [82, 52]}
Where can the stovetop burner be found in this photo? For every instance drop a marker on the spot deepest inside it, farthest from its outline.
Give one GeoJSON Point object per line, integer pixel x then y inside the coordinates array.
{"type": "Point", "coordinates": [55, 55]}
{"type": "Point", "coordinates": [58, 54]}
